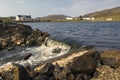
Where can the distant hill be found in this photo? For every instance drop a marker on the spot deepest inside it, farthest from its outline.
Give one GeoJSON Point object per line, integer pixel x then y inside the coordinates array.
{"type": "Point", "coordinates": [113, 13]}
{"type": "Point", "coordinates": [51, 18]}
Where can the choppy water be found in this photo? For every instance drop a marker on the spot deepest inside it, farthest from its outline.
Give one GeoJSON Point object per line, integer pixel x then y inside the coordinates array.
{"type": "Point", "coordinates": [102, 35]}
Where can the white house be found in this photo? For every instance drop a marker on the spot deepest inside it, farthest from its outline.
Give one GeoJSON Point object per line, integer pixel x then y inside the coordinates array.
{"type": "Point", "coordinates": [69, 18]}
{"type": "Point", "coordinates": [23, 18]}
{"type": "Point", "coordinates": [89, 18]}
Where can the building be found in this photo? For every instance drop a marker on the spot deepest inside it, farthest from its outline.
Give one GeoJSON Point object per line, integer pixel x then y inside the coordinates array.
{"type": "Point", "coordinates": [89, 18]}
{"type": "Point", "coordinates": [69, 18]}
{"type": "Point", "coordinates": [23, 18]}
{"type": "Point", "coordinates": [109, 19]}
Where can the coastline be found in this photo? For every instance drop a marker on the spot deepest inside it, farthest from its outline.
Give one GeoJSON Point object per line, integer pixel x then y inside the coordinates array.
{"type": "Point", "coordinates": [74, 65]}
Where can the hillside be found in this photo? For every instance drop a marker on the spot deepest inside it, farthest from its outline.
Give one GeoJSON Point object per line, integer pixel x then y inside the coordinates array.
{"type": "Point", "coordinates": [113, 14]}
{"type": "Point", "coordinates": [51, 18]}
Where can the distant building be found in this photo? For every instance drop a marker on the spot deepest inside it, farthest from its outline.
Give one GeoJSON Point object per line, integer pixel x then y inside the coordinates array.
{"type": "Point", "coordinates": [23, 18]}
{"type": "Point", "coordinates": [89, 18]}
{"type": "Point", "coordinates": [109, 19]}
{"type": "Point", "coordinates": [69, 18]}
{"type": "Point", "coordinates": [76, 18]}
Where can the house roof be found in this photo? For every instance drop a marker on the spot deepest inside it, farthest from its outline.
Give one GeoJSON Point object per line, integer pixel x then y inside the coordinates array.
{"type": "Point", "coordinates": [27, 16]}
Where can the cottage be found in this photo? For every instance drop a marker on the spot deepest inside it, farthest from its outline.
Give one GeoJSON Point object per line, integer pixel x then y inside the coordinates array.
{"type": "Point", "coordinates": [109, 19]}
{"type": "Point", "coordinates": [23, 18]}
{"type": "Point", "coordinates": [69, 18]}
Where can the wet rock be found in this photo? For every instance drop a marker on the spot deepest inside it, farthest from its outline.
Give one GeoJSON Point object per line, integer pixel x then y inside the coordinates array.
{"type": "Point", "coordinates": [20, 73]}
{"type": "Point", "coordinates": [62, 73]}
{"type": "Point", "coordinates": [41, 77]}
{"type": "Point", "coordinates": [106, 73]}
{"type": "Point", "coordinates": [56, 50]}
{"type": "Point", "coordinates": [111, 58]}
{"type": "Point", "coordinates": [40, 40]}
{"type": "Point", "coordinates": [47, 69]}
{"type": "Point", "coordinates": [1, 78]}
{"type": "Point", "coordinates": [26, 56]}
{"type": "Point", "coordinates": [83, 77]}
{"type": "Point", "coordinates": [10, 48]}
{"type": "Point", "coordinates": [8, 75]}
{"type": "Point", "coordinates": [85, 63]}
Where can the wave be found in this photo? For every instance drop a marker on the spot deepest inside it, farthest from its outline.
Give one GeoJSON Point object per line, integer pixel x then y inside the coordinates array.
{"type": "Point", "coordinates": [49, 49]}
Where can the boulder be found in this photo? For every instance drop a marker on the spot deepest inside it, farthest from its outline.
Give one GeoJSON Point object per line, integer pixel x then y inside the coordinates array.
{"type": "Point", "coordinates": [111, 58]}
{"type": "Point", "coordinates": [26, 56]}
{"type": "Point", "coordinates": [12, 71]}
{"type": "Point", "coordinates": [47, 69]}
{"type": "Point", "coordinates": [73, 65]}
{"type": "Point", "coordinates": [20, 73]}
{"type": "Point", "coordinates": [85, 63]}
{"type": "Point", "coordinates": [107, 73]}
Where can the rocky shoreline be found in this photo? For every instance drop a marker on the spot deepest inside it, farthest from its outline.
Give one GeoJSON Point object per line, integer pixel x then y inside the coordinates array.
{"type": "Point", "coordinates": [75, 65]}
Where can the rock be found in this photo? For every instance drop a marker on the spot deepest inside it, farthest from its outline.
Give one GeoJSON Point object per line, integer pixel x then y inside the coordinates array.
{"type": "Point", "coordinates": [8, 75]}
{"type": "Point", "coordinates": [41, 77]}
{"type": "Point", "coordinates": [1, 78]}
{"type": "Point", "coordinates": [56, 50]}
{"type": "Point", "coordinates": [62, 73]}
{"type": "Point", "coordinates": [47, 69]}
{"type": "Point", "coordinates": [85, 63]}
{"type": "Point", "coordinates": [106, 73]}
{"type": "Point", "coordinates": [40, 40]}
{"type": "Point", "coordinates": [20, 35]}
{"type": "Point", "coordinates": [20, 73]}
{"type": "Point", "coordinates": [12, 71]}
{"type": "Point", "coordinates": [10, 48]}
{"type": "Point", "coordinates": [111, 58]}
{"type": "Point", "coordinates": [26, 56]}
{"type": "Point", "coordinates": [83, 77]}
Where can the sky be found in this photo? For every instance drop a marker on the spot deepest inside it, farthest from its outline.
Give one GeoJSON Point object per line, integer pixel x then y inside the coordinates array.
{"type": "Point", "coordinates": [40, 8]}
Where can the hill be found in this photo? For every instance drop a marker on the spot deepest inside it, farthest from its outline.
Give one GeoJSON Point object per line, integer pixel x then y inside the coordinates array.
{"type": "Point", "coordinates": [51, 18]}
{"type": "Point", "coordinates": [110, 14]}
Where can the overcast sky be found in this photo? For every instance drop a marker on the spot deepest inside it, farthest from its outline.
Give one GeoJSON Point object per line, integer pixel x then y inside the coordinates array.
{"type": "Point", "coordinates": [39, 8]}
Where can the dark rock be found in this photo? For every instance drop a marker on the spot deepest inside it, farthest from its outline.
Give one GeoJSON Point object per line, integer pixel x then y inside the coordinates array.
{"type": "Point", "coordinates": [56, 50]}
{"type": "Point", "coordinates": [40, 40]}
{"type": "Point", "coordinates": [85, 63]}
{"type": "Point", "coordinates": [20, 73]}
{"type": "Point", "coordinates": [20, 35]}
{"type": "Point", "coordinates": [26, 56]}
{"type": "Point", "coordinates": [41, 77]}
{"type": "Point", "coordinates": [111, 58]}
{"type": "Point", "coordinates": [62, 73]}
{"type": "Point", "coordinates": [8, 75]}
{"type": "Point", "coordinates": [107, 73]}
{"type": "Point", "coordinates": [83, 77]}
{"type": "Point", "coordinates": [1, 78]}
{"type": "Point", "coordinates": [47, 69]}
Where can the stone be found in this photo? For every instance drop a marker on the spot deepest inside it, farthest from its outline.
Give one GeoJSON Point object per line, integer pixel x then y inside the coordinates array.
{"type": "Point", "coordinates": [83, 77]}
{"type": "Point", "coordinates": [41, 77]}
{"type": "Point", "coordinates": [8, 75]}
{"type": "Point", "coordinates": [26, 56]}
{"type": "Point", "coordinates": [106, 73]}
{"type": "Point", "coordinates": [57, 50]}
{"type": "Point", "coordinates": [20, 73]}
{"type": "Point", "coordinates": [47, 69]}
{"type": "Point", "coordinates": [111, 58]}
{"type": "Point", "coordinates": [85, 63]}
{"type": "Point", "coordinates": [62, 73]}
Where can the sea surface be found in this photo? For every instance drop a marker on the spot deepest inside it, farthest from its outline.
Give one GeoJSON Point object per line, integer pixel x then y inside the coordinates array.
{"type": "Point", "coordinates": [99, 35]}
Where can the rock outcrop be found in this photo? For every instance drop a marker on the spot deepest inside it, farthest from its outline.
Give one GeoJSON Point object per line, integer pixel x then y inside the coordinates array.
{"type": "Point", "coordinates": [107, 73]}
{"type": "Point", "coordinates": [12, 35]}
{"type": "Point", "coordinates": [111, 58]}
{"type": "Point", "coordinates": [75, 66]}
